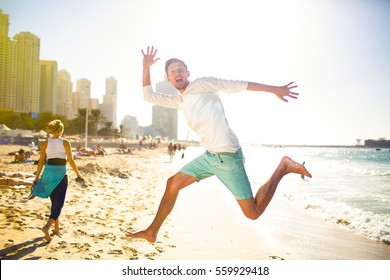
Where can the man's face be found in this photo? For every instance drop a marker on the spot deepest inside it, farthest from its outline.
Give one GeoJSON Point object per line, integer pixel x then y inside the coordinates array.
{"type": "Point", "coordinates": [177, 75]}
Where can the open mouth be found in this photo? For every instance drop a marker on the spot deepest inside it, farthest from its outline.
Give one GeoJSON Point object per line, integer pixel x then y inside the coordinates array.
{"type": "Point", "coordinates": [179, 80]}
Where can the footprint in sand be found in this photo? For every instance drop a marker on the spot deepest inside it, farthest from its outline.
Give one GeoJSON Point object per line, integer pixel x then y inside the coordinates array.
{"type": "Point", "coordinates": [160, 249]}
{"type": "Point", "coordinates": [62, 244]}
{"type": "Point", "coordinates": [276, 258]}
{"type": "Point", "coordinates": [79, 232]}
{"type": "Point", "coordinates": [96, 256]}
{"type": "Point", "coordinates": [115, 252]}
{"type": "Point", "coordinates": [131, 253]}
{"type": "Point", "coordinates": [151, 256]}
{"type": "Point", "coordinates": [81, 247]}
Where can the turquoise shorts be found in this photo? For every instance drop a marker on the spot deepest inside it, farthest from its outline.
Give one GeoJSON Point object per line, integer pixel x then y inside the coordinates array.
{"type": "Point", "coordinates": [228, 167]}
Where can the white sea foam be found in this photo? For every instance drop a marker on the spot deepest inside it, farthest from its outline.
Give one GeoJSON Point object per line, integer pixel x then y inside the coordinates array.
{"type": "Point", "coordinates": [374, 226]}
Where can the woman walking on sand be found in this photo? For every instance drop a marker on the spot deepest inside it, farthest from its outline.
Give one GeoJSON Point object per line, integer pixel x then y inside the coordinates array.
{"type": "Point", "coordinates": [54, 180]}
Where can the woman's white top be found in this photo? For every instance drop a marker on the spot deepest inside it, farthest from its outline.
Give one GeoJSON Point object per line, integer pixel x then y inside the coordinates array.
{"type": "Point", "coordinates": [55, 148]}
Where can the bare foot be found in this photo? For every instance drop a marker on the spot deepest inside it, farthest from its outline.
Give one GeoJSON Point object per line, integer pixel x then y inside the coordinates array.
{"type": "Point", "coordinates": [56, 231]}
{"type": "Point", "coordinates": [295, 167]}
{"type": "Point", "coordinates": [47, 235]}
{"type": "Point", "coordinates": [143, 235]}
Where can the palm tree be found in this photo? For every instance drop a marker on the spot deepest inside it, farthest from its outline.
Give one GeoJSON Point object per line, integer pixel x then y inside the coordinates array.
{"type": "Point", "coordinates": [107, 130]}
{"type": "Point", "coordinates": [79, 121]}
{"type": "Point", "coordinates": [96, 117]}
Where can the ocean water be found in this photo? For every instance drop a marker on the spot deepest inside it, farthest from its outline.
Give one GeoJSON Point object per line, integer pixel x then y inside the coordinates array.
{"type": "Point", "coordinates": [350, 186]}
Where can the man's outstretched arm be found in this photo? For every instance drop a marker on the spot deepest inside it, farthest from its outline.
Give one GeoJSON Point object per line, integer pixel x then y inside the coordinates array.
{"type": "Point", "coordinates": [281, 92]}
{"type": "Point", "coordinates": [149, 60]}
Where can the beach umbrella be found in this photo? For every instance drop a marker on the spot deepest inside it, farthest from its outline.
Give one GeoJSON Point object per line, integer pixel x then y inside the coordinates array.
{"type": "Point", "coordinates": [3, 127]}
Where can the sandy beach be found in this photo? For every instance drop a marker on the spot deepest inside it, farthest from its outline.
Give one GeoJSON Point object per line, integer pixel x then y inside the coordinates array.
{"type": "Point", "coordinates": [206, 223]}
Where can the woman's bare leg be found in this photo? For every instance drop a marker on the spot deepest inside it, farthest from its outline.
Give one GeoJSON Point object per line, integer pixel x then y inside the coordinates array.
{"type": "Point", "coordinates": [46, 229]}
{"type": "Point", "coordinates": [57, 226]}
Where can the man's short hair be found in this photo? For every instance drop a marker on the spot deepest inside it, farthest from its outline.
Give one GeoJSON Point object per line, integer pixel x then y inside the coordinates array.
{"type": "Point", "coordinates": [173, 60]}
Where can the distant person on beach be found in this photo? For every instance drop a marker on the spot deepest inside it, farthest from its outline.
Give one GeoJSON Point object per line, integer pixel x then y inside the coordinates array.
{"type": "Point", "coordinates": [19, 157]}
{"type": "Point", "coordinates": [16, 179]}
{"type": "Point", "coordinates": [53, 183]}
{"type": "Point", "coordinates": [223, 157]}
{"type": "Point", "coordinates": [24, 175]}
{"type": "Point", "coordinates": [171, 151]}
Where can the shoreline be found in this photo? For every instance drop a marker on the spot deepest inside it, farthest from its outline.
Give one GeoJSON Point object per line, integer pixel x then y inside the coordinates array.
{"type": "Point", "coordinates": [283, 232]}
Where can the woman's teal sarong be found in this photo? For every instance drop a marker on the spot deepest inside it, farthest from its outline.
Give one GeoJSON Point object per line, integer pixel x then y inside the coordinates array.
{"type": "Point", "coordinates": [52, 175]}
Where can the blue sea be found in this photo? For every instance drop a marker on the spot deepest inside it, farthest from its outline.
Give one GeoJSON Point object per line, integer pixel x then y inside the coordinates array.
{"type": "Point", "coordinates": [350, 186]}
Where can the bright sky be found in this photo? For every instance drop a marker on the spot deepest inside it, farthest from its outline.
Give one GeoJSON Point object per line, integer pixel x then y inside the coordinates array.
{"type": "Point", "coordinates": [337, 52]}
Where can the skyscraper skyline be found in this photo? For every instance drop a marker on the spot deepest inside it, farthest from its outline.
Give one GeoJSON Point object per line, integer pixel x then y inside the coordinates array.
{"type": "Point", "coordinates": [32, 85]}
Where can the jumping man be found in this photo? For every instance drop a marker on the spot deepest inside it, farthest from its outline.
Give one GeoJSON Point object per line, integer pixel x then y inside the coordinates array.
{"type": "Point", "coordinates": [223, 156]}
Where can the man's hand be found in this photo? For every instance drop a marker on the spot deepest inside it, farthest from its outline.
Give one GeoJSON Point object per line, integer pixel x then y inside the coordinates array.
{"type": "Point", "coordinates": [149, 57]}
{"type": "Point", "coordinates": [285, 91]}
{"type": "Point", "coordinates": [281, 92]}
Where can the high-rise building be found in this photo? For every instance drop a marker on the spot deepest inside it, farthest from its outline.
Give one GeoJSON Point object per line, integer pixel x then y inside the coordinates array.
{"type": "Point", "coordinates": [109, 105]}
{"type": "Point", "coordinates": [130, 126]}
{"type": "Point", "coordinates": [4, 24]}
{"type": "Point", "coordinates": [81, 98]}
{"type": "Point", "coordinates": [7, 65]}
{"type": "Point", "coordinates": [19, 70]}
{"type": "Point", "coordinates": [48, 86]}
{"type": "Point", "coordinates": [64, 90]}
{"type": "Point", "coordinates": [27, 73]}
{"type": "Point", "coordinates": [165, 120]}
{"type": "Point", "coordinates": [83, 89]}
{"type": "Point", "coordinates": [94, 103]}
